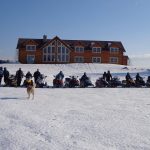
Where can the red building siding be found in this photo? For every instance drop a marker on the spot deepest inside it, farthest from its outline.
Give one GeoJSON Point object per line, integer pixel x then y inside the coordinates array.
{"type": "Point", "coordinates": [70, 46]}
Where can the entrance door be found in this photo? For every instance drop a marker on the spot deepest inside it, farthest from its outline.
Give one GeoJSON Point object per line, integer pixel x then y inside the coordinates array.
{"type": "Point", "coordinates": [30, 59]}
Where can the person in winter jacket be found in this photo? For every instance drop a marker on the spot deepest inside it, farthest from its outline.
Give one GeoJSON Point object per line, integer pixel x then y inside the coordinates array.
{"type": "Point", "coordinates": [108, 76]}
{"type": "Point", "coordinates": [1, 74]}
{"type": "Point", "coordinates": [19, 76]}
{"type": "Point", "coordinates": [36, 75]}
{"type": "Point", "coordinates": [128, 77]}
{"type": "Point", "coordinates": [104, 76]}
{"type": "Point", "coordinates": [138, 77]}
{"type": "Point", "coordinates": [60, 75]}
{"type": "Point", "coordinates": [28, 75]}
{"type": "Point", "coordinates": [84, 77]}
{"type": "Point", "coordinates": [6, 75]}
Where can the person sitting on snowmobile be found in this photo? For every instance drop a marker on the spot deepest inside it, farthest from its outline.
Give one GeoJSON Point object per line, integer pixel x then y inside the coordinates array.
{"type": "Point", "coordinates": [60, 76]}
{"type": "Point", "coordinates": [139, 80]}
{"type": "Point", "coordinates": [129, 80]}
{"type": "Point", "coordinates": [84, 77]}
{"type": "Point", "coordinates": [28, 75]}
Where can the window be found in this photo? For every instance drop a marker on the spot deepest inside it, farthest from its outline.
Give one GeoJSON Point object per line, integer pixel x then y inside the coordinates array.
{"type": "Point", "coordinates": [63, 53]}
{"type": "Point", "coordinates": [96, 49]}
{"type": "Point", "coordinates": [30, 47]}
{"type": "Point", "coordinates": [114, 50]}
{"type": "Point", "coordinates": [96, 59]}
{"type": "Point", "coordinates": [30, 59]}
{"type": "Point", "coordinates": [49, 53]}
{"type": "Point", "coordinates": [79, 49]}
{"type": "Point", "coordinates": [79, 59]}
{"type": "Point", "coordinates": [114, 60]}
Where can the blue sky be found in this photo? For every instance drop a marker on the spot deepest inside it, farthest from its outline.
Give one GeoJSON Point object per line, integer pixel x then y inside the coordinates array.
{"type": "Point", "coordinates": [121, 20]}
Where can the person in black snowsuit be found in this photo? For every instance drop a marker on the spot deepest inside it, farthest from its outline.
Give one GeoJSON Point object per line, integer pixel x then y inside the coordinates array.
{"type": "Point", "coordinates": [6, 75]}
{"type": "Point", "coordinates": [36, 75]}
{"type": "Point", "coordinates": [104, 76]}
{"type": "Point", "coordinates": [60, 75]}
{"type": "Point", "coordinates": [28, 75]}
{"type": "Point", "coordinates": [84, 77]}
{"type": "Point", "coordinates": [1, 74]}
{"type": "Point", "coordinates": [108, 76]}
{"type": "Point", "coordinates": [19, 76]}
{"type": "Point", "coordinates": [138, 77]}
{"type": "Point", "coordinates": [128, 77]}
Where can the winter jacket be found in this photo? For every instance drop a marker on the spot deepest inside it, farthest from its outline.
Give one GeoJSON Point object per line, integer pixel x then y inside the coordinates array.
{"type": "Point", "coordinates": [19, 74]}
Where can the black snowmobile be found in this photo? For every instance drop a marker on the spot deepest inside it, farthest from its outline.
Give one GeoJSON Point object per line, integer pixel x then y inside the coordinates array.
{"type": "Point", "coordinates": [140, 82]}
{"type": "Point", "coordinates": [86, 83]}
{"type": "Point", "coordinates": [101, 82]}
{"type": "Point", "coordinates": [12, 81]}
{"type": "Point", "coordinates": [115, 82]}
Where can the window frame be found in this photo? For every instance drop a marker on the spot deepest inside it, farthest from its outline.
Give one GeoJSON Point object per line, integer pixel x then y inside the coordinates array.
{"type": "Point", "coordinates": [96, 49]}
{"type": "Point", "coordinates": [96, 59]}
{"type": "Point", "coordinates": [27, 49]}
{"type": "Point", "coordinates": [114, 62]}
{"type": "Point", "coordinates": [114, 50]}
{"type": "Point", "coordinates": [80, 49]}
{"type": "Point", "coordinates": [79, 58]}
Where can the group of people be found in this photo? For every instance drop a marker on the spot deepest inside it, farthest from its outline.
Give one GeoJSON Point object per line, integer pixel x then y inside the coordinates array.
{"type": "Point", "coordinates": [4, 73]}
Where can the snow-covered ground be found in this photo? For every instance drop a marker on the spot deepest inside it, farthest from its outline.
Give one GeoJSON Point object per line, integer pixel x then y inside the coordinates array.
{"type": "Point", "coordinates": [75, 119]}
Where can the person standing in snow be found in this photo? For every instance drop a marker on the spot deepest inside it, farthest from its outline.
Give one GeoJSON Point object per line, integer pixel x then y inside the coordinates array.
{"type": "Point", "coordinates": [108, 76]}
{"type": "Point", "coordinates": [6, 75]}
{"type": "Point", "coordinates": [19, 76]}
{"type": "Point", "coordinates": [36, 75]}
{"type": "Point", "coordinates": [1, 74]}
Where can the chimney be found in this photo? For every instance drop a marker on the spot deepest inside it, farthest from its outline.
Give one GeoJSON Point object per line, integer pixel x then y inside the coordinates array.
{"type": "Point", "coordinates": [44, 38]}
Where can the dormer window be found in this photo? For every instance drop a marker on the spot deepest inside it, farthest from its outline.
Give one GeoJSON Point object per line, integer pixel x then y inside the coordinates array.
{"type": "Point", "coordinates": [114, 50]}
{"type": "Point", "coordinates": [30, 47]}
{"type": "Point", "coordinates": [79, 49]}
{"type": "Point", "coordinates": [96, 49]}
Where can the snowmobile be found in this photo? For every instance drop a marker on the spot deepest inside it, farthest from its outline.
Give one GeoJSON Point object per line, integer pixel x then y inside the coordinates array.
{"type": "Point", "coordinates": [12, 81]}
{"type": "Point", "coordinates": [40, 82]}
{"type": "Point", "coordinates": [129, 83]}
{"type": "Point", "coordinates": [101, 82]}
{"type": "Point", "coordinates": [86, 83]}
{"type": "Point", "coordinates": [148, 82]}
{"type": "Point", "coordinates": [115, 82]}
{"type": "Point", "coordinates": [140, 82]}
{"type": "Point", "coordinates": [57, 82]}
{"type": "Point", "coordinates": [71, 82]}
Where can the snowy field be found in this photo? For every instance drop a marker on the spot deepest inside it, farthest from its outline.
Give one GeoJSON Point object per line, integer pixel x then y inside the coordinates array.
{"type": "Point", "coordinates": [76, 119]}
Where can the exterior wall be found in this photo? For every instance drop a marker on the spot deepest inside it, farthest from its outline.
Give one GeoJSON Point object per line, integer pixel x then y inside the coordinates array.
{"type": "Point", "coordinates": [88, 54]}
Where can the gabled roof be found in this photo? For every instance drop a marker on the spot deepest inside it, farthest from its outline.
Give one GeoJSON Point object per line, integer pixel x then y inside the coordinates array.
{"type": "Point", "coordinates": [87, 44]}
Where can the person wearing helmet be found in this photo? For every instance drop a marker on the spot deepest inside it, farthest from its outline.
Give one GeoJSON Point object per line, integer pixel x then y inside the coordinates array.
{"type": "Point", "coordinates": [1, 74]}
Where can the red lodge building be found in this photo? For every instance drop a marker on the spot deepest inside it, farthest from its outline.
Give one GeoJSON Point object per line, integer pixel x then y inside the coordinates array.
{"type": "Point", "coordinates": [58, 51]}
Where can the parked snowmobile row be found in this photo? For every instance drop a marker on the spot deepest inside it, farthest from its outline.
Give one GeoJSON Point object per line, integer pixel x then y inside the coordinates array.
{"type": "Point", "coordinates": [105, 81]}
